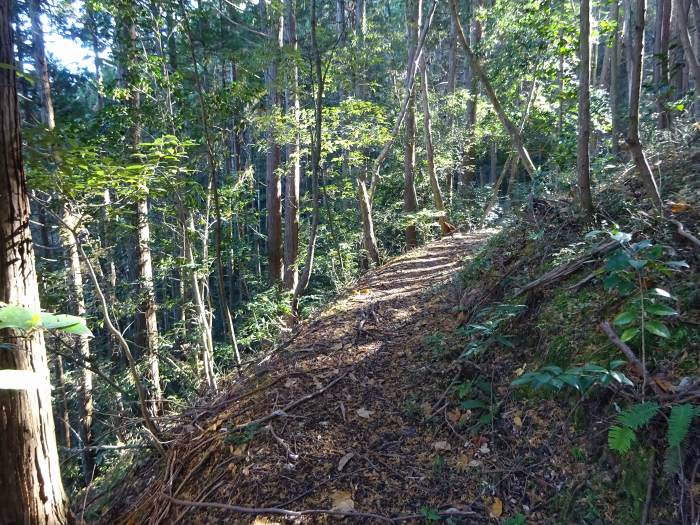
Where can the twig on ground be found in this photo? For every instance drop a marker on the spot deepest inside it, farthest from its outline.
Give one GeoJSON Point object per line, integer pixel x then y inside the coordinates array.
{"type": "Point", "coordinates": [683, 233]}
{"type": "Point", "coordinates": [631, 357]}
{"type": "Point", "coordinates": [283, 411]}
{"type": "Point", "coordinates": [560, 272]}
{"type": "Point", "coordinates": [277, 511]}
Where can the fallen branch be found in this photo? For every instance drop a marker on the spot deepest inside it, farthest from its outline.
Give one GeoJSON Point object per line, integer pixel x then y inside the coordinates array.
{"type": "Point", "coordinates": [276, 511]}
{"type": "Point", "coordinates": [683, 233]}
{"type": "Point", "coordinates": [630, 355]}
{"type": "Point", "coordinates": [283, 411]}
{"type": "Point", "coordinates": [563, 271]}
{"type": "Point", "coordinates": [315, 512]}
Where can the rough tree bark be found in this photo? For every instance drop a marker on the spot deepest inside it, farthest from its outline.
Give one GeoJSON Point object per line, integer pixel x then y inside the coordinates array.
{"type": "Point", "coordinates": [273, 184]}
{"type": "Point", "coordinates": [31, 490]}
{"type": "Point", "coordinates": [430, 153]}
{"type": "Point", "coordinates": [661, 71]}
{"type": "Point", "coordinates": [146, 320]}
{"type": "Point", "coordinates": [319, 84]}
{"type": "Point", "coordinates": [414, 10]}
{"type": "Point", "coordinates": [584, 109]}
{"type": "Point", "coordinates": [615, 76]}
{"type": "Point", "coordinates": [77, 298]}
{"type": "Point", "coordinates": [682, 8]}
{"type": "Point", "coordinates": [291, 197]}
{"type": "Point", "coordinates": [633, 140]}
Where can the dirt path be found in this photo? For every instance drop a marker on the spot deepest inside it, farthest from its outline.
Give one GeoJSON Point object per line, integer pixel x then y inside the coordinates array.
{"type": "Point", "coordinates": [346, 414]}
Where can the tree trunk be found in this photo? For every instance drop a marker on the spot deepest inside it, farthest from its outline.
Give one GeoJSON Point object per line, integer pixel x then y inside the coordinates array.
{"type": "Point", "coordinates": [363, 198]}
{"type": "Point", "coordinates": [584, 109]}
{"type": "Point", "coordinates": [661, 47]}
{"type": "Point", "coordinates": [315, 164]}
{"type": "Point", "coordinates": [615, 76]}
{"type": "Point", "coordinates": [633, 141]}
{"type": "Point", "coordinates": [291, 197]}
{"type": "Point", "coordinates": [274, 189]}
{"type": "Point", "coordinates": [82, 348]}
{"type": "Point", "coordinates": [410, 202]}
{"type": "Point", "coordinates": [30, 479]}
{"type": "Point", "coordinates": [682, 16]}
{"type": "Point", "coordinates": [515, 135]}
{"type": "Point", "coordinates": [430, 153]}
{"type": "Point", "coordinates": [468, 168]}
{"type": "Point", "coordinates": [146, 320]}
{"type": "Point", "coordinates": [73, 264]}
{"type": "Point", "coordinates": [41, 65]}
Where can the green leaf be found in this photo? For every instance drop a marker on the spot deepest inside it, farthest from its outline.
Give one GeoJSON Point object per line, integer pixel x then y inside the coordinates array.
{"type": "Point", "coordinates": [18, 318]}
{"type": "Point", "coordinates": [657, 328]}
{"type": "Point", "coordinates": [660, 309]}
{"type": "Point", "coordinates": [629, 334]}
{"type": "Point", "coordinates": [639, 415]}
{"type": "Point", "coordinates": [620, 438]}
{"type": "Point", "coordinates": [679, 423]}
{"type": "Point", "coordinates": [69, 324]}
{"type": "Point", "coordinates": [472, 404]}
{"type": "Point", "coordinates": [624, 318]}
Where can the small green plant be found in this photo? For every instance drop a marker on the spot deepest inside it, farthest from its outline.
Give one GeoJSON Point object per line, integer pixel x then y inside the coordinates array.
{"type": "Point", "coordinates": [430, 515]}
{"type": "Point", "coordinates": [580, 378]}
{"type": "Point", "coordinates": [477, 395]}
{"type": "Point", "coordinates": [518, 519]}
{"type": "Point", "coordinates": [629, 421]}
{"type": "Point", "coordinates": [630, 268]}
{"type": "Point", "coordinates": [436, 344]}
{"type": "Point", "coordinates": [484, 334]}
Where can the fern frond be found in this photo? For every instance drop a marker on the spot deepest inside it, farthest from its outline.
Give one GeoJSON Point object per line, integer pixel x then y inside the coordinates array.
{"type": "Point", "coordinates": [672, 460]}
{"type": "Point", "coordinates": [620, 438]}
{"type": "Point", "coordinates": [637, 416]}
{"type": "Point", "coordinates": [679, 423]}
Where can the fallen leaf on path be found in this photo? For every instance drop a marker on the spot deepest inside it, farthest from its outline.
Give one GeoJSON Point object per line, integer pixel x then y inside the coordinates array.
{"type": "Point", "coordinates": [496, 508]}
{"type": "Point", "coordinates": [344, 460]}
{"type": "Point", "coordinates": [342, 501]}
{"type": "Point", "coordinates": [364, 413]}
{"type": "Point", "coordinates": [442, 445]}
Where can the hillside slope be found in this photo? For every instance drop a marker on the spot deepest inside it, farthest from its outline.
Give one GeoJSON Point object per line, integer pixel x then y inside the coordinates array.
{"type": "Point", "coordinates": [350, 414]}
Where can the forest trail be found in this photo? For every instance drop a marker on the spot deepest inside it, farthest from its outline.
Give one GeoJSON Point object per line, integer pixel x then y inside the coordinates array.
{"type": "Point", "coordinates": [356, 393]}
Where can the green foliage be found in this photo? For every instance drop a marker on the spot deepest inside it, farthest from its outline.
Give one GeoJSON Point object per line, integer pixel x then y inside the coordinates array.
{"type": "Point", "coordinates": [679, 423]}
{"type": "Point", "coordinates": [25, 319]}
{"type": "Point", "coordinates": [620, 438]}
{"type": "Point", "coordinates": [580, 378]}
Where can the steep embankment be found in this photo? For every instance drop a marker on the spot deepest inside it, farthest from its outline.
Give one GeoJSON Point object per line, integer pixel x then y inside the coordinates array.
{"type": "Point", "coordinates": [350, 415]}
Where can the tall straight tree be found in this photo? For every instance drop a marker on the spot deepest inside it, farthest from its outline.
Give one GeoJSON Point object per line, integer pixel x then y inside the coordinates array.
{"type": "Point", "coordinates": [414, 9]}
{"type": "Point", "coordinates": [615, 74]}
{"type": "Point", "coordinates": [272, 179]}
{"type": "Point", "coordinates": [584, 108]}
{"type": "Point", "coordinates": [293, 176]}
{"type": "Point", "coordinates": [147, 322]}
{"type": "Point", "coordinates": [661, 70]}
{"type": "Point", "coordinates": [633, 140]}
{"type": "Point", "coordinates": [682, 8]}
{"type": "Point", "coordinates": [75, 276]}
{"type": "Point", "coordinates": [31, 490]}
{"type": "Point", "coordinates": [430, 151]}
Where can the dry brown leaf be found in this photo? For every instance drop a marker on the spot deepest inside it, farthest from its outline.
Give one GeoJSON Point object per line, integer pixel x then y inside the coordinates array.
{"type": "Point", "coordinates": [364, 413]}
{"type": "Point", "coordinates": [342, 501]}
{"type": "Point", "coordinates": [678, 207]}
{"type": "Point", "coordinates": [426, 408]}
{"type": "Point", "coordinates": [517, 421]}
{"type": "Point", "coordinates": [442, 445]}
{"type": "Point", "coordinates": [344, 460]}
{"type": "Point", "coordinates": [454, 416]}
{"type": "Point", "coordinates": [496, 508]}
